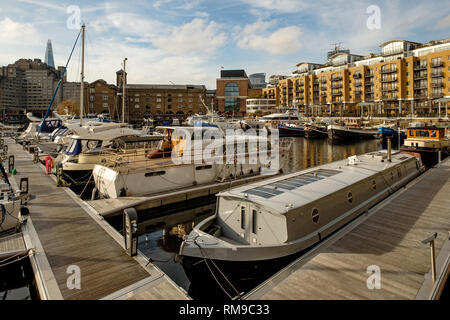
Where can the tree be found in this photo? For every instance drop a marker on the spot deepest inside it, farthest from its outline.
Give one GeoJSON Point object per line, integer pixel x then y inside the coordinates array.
{"type": "Point", "coordinates": [69, 107]}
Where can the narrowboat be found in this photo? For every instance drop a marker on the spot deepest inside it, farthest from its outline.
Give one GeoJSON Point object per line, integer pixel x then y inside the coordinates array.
{"type": "Point", "coordinates": [256, 224]}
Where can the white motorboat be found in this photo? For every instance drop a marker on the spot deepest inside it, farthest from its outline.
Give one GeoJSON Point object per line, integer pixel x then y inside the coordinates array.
{"type": "Point", "coordinates": [160, 171]}
{"type": "Point", "coordinates": [97, 144]}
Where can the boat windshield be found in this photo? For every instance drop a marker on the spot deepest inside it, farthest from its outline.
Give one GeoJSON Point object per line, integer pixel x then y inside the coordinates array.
{"type": "Point", "coordinates": [77, 146]}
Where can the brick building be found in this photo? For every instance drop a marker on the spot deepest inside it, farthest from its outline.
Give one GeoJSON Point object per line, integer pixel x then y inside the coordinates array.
{"type": "Point", "coordinates": [232, 90]}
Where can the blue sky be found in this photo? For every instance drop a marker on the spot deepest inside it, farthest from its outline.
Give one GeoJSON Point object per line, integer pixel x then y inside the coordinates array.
{"type": "Point", "coordinates": [187, 42]}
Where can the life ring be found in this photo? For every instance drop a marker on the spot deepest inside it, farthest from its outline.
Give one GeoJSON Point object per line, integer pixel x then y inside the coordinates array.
{"type": "Point", "coordinates": [49, 164]}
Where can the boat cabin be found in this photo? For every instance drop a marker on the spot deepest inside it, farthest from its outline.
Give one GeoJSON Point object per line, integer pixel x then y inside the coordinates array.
{"type": "Point", "coordinates": [433, 133]}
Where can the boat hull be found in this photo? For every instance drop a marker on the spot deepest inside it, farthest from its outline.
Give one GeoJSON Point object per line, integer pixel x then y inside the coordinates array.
{"type": "Point", "coordinates": [314, 133]}
{"type": "Point", "coordinates": [111, 183]}
{"type": "Point", "coordinates": [344, 134]}
{"type": "Point", "coordinates": [286, 131]}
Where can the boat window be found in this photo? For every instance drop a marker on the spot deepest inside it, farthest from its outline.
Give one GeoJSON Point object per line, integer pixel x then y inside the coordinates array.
{"type": "Point", "coordinates": [350, 197]}
{"type": "Point", "coordinates": [433, 134]}
{"type": "Point", "coordinates": [74, 148]}
{"type": "Point", "coordinates": [315, 215]}
{"type": "Point", "coordinates": [155, 173]}
{"type": "Point", "coordinates": [203, 167]}
{"type": "Point", "coordinates": [254, 221]}
{"type": "Point", "coordinates": [374, 185]}
{"type": "Point", "coordinates": [242, 217]}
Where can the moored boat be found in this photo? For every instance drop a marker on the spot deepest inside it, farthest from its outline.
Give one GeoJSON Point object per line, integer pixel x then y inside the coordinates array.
{"type": "Point", "coordinates": [341, 133]}
{"type": "Point", "coordinates": [282, 216]}
{"type": "Point", "coordinates": [429, 141]}
{"type": "Point", "coordinates": [179, 162]}
{"type": "Point", "coordinates": [290, 130]}
{"type": "Point", "coordinates": [316, 131]}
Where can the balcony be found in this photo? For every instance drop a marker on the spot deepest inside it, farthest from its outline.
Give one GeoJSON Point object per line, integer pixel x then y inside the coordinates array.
{"type": "Point", "coordinates": [323, 94]}
{"type": "Point", "coordinates": [437, 64]}
{"type": "Point", "coordinates": [357, 76]}
{"type": "Point", "coordinates": [420, 86]}
{"type": "Point", "coordinates": [369, 92]}
{"type": "Point", "coordinates": [336, 86]}
{"type": "Point", "coordinates": [389, 80]}
{"type": "Point", "coordinates": [316, 81]}
{"type": "Point", "coordinates": [437, 84]}
{"type": "Point", "coordinates": [368, 83]}
{"type": "Point", "coordinates": [420, 95]}
{"type": "Point", "coordinates": [336, 78]}
{"type": "Point", "coordinates": [386, 71]}
{"type": "Point", "coordinates": [420, 67]}
{"type": "Point", "coordinates": [420, 77]}
{"type": "Point", "coordinates": [437, 94]}
{"type": "Point", "coordinates": [388, 89]}
{"type": "Point", "coordinates": [388, 97]}
{"type": "Point", "coordinates": [323, 81]}
{"type": "Point", "coordinates": [336, 94]}
{"type": "Point", "coordinates": [438, 74]}
{"type": "Point", "coordinates": [358, 84]}
{"type": "Point", "coordinates": [368, 75]}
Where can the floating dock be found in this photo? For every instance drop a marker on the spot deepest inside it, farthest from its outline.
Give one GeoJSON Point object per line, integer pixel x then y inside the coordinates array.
{"type": "Point", "coordinates": [12, 245]}
{"type": "Point", "coordinates": [384, 242]}
{"type": "Point", "coordinates": [65, 232]}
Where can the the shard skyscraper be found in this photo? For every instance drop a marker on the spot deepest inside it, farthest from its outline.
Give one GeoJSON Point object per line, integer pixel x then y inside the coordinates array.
{"type": "Point", "coordinates": [49, 55]}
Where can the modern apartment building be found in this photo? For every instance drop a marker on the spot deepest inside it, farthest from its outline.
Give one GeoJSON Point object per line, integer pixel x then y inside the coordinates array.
{"type": "Point", "coordinates": [261, 106]}
{"type": "Point", "coordinates": [405, 78]}
{"type": "Point", "coordinates": [28, 85]}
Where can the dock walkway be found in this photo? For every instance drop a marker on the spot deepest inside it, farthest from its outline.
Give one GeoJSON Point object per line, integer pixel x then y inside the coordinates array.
{"type": "Point", "coordinates": [389, 237]}
{"type": "Point", "coordinates": [67, 234]}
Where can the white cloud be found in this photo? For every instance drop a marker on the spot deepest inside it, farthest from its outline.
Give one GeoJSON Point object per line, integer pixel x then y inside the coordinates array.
{"type": "Point", "coordinates": [281, 41]}
{"type": "Point", "coordinates": [19, 40]}
{"type": "Point", "coordinates": [197, 36]}
{"type": "Point", "coordinates": [285, 6]}
{"type": "Point", "coordinates": [443, 23]}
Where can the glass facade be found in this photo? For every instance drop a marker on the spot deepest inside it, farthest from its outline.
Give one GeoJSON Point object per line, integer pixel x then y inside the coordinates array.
{"type": "Point", "coordinates": [231, 97]}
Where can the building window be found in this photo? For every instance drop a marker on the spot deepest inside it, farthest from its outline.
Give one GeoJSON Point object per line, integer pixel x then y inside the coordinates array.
{"type": "Point", "coordinates": [136, 106]}
{"type": "Point", "coordinates": [158, 106]}
{"type": "Point", "coordinates": [105, 105]}
{"type": "Point", "coordinates": [180, 100]}
{"type": "Point", "coordinates": [105, 97]}
{"type": "Point", "coordinates": [158, 99]}
{"type": "Point", "coordinates": [136, 99]}
{"type": "Point", "coordinates": [91, 90]}
{"type": "Point", "coordinates": [231, 97]}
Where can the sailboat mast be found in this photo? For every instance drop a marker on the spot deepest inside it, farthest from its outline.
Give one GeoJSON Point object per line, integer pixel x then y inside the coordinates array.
{"type": "Point", "coordinates": [123, 90]}
{"type": "Point", "coordinates": [83, 27]}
